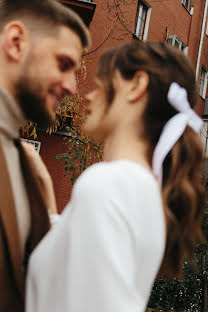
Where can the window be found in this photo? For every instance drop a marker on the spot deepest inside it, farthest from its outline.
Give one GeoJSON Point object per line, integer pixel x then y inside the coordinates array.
{"type": "Point", "coordinates": [178, 43]}
{"type": "Point", "coordinates": [204, 140]}
{"type": "Point", "coordinates": [203, 82]}
{"type": "Point", "coordinates": [36, 144]}
{"type": "Point", "coordinates": [207, 29]}
{"type": "Point", "coordinates": [142, 20]}
{"type": "Point", "coordinates": [205, 113]}
{"type": "Point", "coordinates": [187, 4]}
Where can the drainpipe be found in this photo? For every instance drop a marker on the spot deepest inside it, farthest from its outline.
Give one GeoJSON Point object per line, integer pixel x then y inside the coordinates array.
{"type": "Point", "coordinates": [201, 39]}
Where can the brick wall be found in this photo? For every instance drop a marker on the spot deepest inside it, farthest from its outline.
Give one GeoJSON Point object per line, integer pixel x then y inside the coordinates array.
{"type": "Point", "coordinates": [167, 18]}
{"type": "Point", "coordinates": [52, 145]}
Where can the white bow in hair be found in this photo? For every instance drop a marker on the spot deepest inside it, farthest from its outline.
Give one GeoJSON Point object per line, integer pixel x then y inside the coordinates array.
{"type": "Point", "coordinates": [175, 127]}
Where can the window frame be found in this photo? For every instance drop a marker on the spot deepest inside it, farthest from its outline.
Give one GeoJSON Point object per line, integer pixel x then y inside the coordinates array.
{"type": "Point", "coordinates": [142, 5]}
{"type": "Point", "coordinates": [205, 113]}
{"type": "Point", "coordinates": [204, 137]}
{"type": "Point", "coordinates": [207, 29]}
{"type": "Point", "coordinates": [187, 7]}
{"type": "Point", "coordinates": [173, 38]}
{"type": "Point", "coordinates": [203, 87]}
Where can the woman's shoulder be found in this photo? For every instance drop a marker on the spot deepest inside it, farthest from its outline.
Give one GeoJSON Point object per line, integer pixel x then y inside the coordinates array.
{"type": "Point", "coordinates": [96, 177]}
{"type": "Point", "coordinates": [116, 175]}
{"type": "Point", "coordinates": [121, 188]}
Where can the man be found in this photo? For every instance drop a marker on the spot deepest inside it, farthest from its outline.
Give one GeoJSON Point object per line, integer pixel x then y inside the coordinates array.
{"type": "Point", "coordinates": [41, 43]}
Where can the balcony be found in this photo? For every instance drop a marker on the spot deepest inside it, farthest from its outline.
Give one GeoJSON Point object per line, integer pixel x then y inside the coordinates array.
{"type": "Point", "coordinates": [84, 8]}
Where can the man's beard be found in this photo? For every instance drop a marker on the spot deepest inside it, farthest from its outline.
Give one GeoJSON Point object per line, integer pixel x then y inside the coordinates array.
{"type": "Point", "coordinates": [32, 103]}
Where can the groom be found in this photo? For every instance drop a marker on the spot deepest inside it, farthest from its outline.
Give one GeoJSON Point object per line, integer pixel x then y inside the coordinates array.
{"type": "Point", "coordinates": [41, 43]}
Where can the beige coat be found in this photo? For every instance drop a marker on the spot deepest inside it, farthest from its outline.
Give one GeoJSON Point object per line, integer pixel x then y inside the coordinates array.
{"type": "Point", "coordinates": [12, 268]}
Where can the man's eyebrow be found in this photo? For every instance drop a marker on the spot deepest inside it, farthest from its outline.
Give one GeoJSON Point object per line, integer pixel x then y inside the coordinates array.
{"type": "Point", "coordinates": [68, 59]}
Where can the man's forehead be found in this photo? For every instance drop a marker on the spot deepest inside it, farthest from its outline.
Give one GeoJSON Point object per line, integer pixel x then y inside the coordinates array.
{"type": "Point", "coordinates": [70, 44]}
{"type": "Point", "coordinates": [65, 33]}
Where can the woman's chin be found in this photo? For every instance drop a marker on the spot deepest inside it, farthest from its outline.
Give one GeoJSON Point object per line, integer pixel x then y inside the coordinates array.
{"type": "Point", "coordinates": [85, 129]}
{"type": "Point", "coordinates": [91, 132]}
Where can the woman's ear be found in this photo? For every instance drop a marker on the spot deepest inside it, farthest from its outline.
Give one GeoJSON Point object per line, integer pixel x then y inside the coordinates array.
{"type": "Point", "coordinates": [138, 86]}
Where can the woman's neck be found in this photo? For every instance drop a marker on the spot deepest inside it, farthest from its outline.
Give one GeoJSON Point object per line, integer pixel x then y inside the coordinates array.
{"type": "Point", "coordinates": [125, 145]}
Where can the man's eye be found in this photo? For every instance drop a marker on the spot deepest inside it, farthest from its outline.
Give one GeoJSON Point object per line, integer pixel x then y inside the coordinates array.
{"type": "Point", "coordinates": [65, 64]}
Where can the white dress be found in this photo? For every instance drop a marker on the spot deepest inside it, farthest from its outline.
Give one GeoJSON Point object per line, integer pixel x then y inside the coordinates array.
{"type": "Point", "coordinates": [105, 252]}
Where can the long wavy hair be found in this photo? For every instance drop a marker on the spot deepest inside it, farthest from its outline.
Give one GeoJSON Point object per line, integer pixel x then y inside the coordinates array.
{"type": "Point", "coordinates": [183, 190]}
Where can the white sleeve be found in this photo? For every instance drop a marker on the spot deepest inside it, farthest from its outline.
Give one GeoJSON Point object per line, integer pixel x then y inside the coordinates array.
{"type": "Point", "coordinates": [101, 259]}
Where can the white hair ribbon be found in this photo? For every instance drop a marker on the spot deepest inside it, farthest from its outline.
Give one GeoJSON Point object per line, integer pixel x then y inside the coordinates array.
{"type": "Point", "coordinates": [175, 127]}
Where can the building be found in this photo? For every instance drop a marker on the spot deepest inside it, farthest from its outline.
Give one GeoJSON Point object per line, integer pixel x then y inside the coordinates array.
{"type": "Point", "coordinates": [182, 23]}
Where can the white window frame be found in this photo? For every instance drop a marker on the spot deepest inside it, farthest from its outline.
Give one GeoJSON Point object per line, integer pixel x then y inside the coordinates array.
{"type": "Point", "coordinates": [188, 7]}
{"type": "Point", "coordinates": [36, 144]}
{"type": "Point", "coordinates": [207, 29]}
{"type": "Point", "coordinates": [204, 138]}
{"type": "Point", "coordinates": [145, 28]}
{"type": "Point", "coordinates": [206, 106]}
{"type": "Point", "coordinates": [181, 46]}
{"type": "Point", "coordinates": [203, 82]}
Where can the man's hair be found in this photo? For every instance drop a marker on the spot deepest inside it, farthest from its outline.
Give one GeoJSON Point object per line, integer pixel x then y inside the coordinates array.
{"type": "Point", "coordinates": [49, 13]}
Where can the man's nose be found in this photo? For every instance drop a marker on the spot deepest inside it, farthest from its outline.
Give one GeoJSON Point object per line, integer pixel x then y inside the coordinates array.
{"type": "Point", "coordinates": [89, 96]}
{"type": "Point", "coordinates": [69, 84]}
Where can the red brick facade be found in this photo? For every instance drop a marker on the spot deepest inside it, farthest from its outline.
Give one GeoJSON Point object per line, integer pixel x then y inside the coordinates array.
{"type": "Point", "coordinates": [167, 18]}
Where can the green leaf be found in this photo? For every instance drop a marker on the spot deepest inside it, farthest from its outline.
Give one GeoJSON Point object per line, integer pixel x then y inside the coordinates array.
{"type": "Point", "coordinates": [71, 168]}
{"type": "Point", "coordinates": [58, 156]}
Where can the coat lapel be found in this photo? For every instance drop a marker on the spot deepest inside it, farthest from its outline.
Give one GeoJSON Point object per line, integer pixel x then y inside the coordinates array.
{"type": "Point", "coordinates": [40, 223]}
{"type": "Point", "coordinates": [39, 215]}
{"type": "Point", "coordinates": [9, 221]}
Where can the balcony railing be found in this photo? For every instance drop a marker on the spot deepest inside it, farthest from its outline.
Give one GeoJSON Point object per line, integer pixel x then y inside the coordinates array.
{"type": "Point", "coordinates": [85, 0]}
{"type": "Point", "coordinates": [85, 8]}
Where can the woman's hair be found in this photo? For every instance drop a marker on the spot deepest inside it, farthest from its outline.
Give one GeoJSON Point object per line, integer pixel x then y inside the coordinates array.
{"type": "Point", "coordinates": [183, 189]}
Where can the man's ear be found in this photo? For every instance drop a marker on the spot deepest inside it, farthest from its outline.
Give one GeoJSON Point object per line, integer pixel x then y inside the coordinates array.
{"type": "Point", "coordinates": [138, 87]}
{"type": "Point", "coordinates": [13, 40]}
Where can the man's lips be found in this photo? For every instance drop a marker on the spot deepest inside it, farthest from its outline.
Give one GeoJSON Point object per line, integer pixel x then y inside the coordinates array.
{"type": "Point", "coordinates": [57, 95]}
{"type": "Point", "coordinates": [55, 105]}
{"type": "Point", "coordinates": [55, 99]}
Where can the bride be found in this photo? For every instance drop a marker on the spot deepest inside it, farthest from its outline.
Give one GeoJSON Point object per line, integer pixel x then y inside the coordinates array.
{"type": "Point", "coordinates": [139, 211]}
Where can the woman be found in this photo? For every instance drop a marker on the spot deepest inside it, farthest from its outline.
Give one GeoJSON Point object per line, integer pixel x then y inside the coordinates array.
{"type": "Point", "coordinates": [140, 209]}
